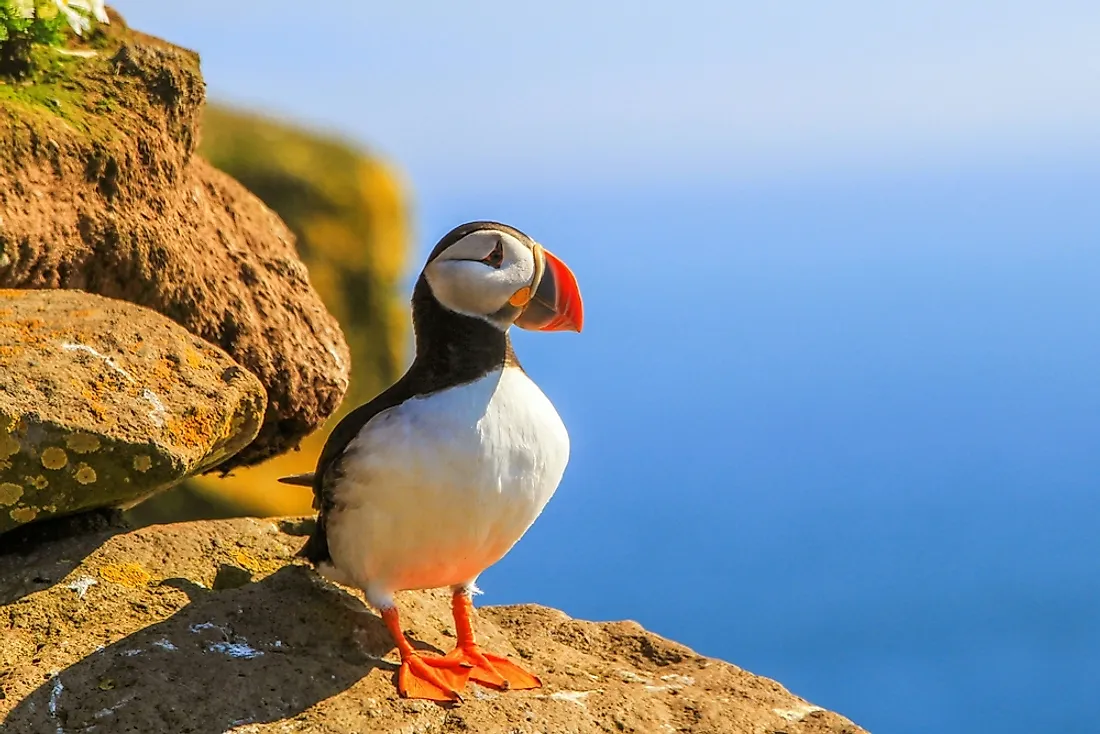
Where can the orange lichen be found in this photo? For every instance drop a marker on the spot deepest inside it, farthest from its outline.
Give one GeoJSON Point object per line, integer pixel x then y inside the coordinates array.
{"type": "Point", "coordinates": [256, 565]}
{"type": "Point", "coordinates": [143, 463]}
{"type": "Point", "coordinates": [27, 333]}
{"type": "Point", "coordinates": [82, 443]}
{"type": "Point", "coordinates": [23, 514]}
{"type": "Point", "coordinates": [54, 458]}
{"type": "Point", "coordinates": [198, 429]}
{"type": "Point", "coordinates": [85, 474]}
{"type": "Point", "coordinates": [159, 375]}
{"type": "Point", "coordinates": [92, 392]}
{"type": "Point", "coordinates": [9, 445]}
{"type": "Point", "coordinates": [10, 493]}
{"type": "Point", "coordinates": [126, 574]}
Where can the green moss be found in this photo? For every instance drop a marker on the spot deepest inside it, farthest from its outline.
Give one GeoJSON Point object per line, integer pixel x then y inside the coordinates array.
{"type": "Point", "coordinates": [49, 88]}
{"type": "Point", "coordinates": [54, 100]}
{"type": "Point", "coordinates": [78, 86]}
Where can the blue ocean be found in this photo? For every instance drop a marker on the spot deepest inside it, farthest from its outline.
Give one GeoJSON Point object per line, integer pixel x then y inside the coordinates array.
{"type": "Point", "coordinates": [844, 433]}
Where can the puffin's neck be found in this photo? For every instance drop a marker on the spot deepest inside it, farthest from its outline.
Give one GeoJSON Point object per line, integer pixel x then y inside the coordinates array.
{"type": "Point", "coordinates": [451, 348]}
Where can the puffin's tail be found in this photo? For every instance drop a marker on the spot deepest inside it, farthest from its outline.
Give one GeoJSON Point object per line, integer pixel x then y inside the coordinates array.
{"type": "Point", "coordinates": [316, 548]}
{"type": "Point", "coordinates": [299, 480]}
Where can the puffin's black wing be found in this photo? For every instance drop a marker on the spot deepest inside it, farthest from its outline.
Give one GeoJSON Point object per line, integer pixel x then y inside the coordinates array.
{"type": "Point", "coordinates": [451, 349]}
{"type": "Point", "coordinates": [329, 472]}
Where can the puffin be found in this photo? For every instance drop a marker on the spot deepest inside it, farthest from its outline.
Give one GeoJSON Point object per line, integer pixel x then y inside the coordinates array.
{"type": "Point", "coordinates": [436, 478]}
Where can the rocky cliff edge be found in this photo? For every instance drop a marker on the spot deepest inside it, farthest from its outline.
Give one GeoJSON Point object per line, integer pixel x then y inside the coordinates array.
{"type": "Point", "coordinates": [212, 627]}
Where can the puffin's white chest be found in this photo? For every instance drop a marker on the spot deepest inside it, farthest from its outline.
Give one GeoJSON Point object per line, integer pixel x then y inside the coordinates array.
{"type": "Point", "coordinates": [439, 488]}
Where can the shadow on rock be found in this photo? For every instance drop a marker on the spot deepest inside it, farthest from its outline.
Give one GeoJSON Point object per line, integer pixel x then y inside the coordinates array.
{"type": "Point", "coordinates": [250, 653]}
{"type": "Point", "coordinates": [36, 556]}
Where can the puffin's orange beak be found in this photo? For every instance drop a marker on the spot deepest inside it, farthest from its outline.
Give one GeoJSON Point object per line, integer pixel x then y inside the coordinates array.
{"type": "Point", "coordinates": [556, 303]}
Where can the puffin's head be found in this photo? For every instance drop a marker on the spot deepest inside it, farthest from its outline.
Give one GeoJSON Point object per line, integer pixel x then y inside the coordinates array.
{"type": "Point", "coordinates": [496, 273]}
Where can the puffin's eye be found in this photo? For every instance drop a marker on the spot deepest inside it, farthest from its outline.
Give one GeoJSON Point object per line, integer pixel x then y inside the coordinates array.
{"type": "Point", "coordinates": [495, 258]}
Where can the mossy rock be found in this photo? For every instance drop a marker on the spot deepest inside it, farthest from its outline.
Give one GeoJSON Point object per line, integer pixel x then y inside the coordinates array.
{"type": "Point", "coordinates": [103, 403]}
{"type": "Point", "coordinates": [101, 191]}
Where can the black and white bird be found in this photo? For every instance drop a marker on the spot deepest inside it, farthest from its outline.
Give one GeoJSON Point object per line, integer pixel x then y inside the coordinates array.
{"type": "Point", "coordinates": [436, 478]}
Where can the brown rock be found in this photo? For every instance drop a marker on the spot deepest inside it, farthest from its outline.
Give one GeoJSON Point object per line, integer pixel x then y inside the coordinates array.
{"type": "Point", "coordinates": [212, 627]}
{"type": "Point", "coordinates": [100, 190]}
{"type": "Point", "coordinates": [349, 214]}
{"type": "Point", "coordinates": [103, 403]}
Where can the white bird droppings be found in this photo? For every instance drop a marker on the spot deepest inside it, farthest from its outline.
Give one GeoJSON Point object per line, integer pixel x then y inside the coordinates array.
{"type": "Point", "coordinates": [156, 415]}
{"type": "Point", "coordinates": [676, 681]}
{"type": "Point", "coordinates": [798, 713]}
{"type": "Point", "coordinates": [158, 412]}
{"type": "Point", "coordinates": [70, 347]}
{"type": "Point", "coordinates": [81, 585]}
{"type": "Point", "coordinates": [55, 701]}
{"type": "Point", "coordinates": [231, 645]}
{"type": "Point", "coordinates": [576, 697]}
{"type": "Point", "coordinates": [236, 649]}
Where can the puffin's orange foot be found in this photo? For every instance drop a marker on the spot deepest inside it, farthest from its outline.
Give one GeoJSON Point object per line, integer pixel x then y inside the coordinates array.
{"type": "Point", "coordinates": [434, 679]}
{"type": "Point", "coordinates": [492, 670]}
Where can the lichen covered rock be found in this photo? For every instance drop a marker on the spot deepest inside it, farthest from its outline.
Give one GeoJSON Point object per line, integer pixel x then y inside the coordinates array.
{"type": "Point", "coordinates": [103, 403]}
{"type": "Point", "coordinates": [101, 190]}
{"type": "Point", "coordinates": [132, 632]}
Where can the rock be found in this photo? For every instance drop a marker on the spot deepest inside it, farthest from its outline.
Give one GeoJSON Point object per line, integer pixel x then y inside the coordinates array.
{"type": "Point", "coordinates": [349, 215]}
{"type": "Point", "coordinates": [103, 403]}
{"type": "Point", "coordinates": [101, 190]}
{"type": "Point", "coordinates": [348, 212]}
{"type": "Point", "coordinates": [212, 627]}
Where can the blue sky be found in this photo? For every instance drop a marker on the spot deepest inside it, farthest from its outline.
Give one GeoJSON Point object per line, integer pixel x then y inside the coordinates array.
{"type": "Point", "coordinates": [500, 93]}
